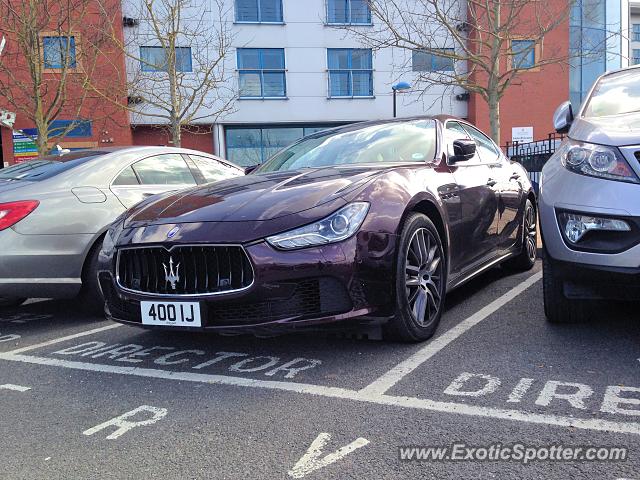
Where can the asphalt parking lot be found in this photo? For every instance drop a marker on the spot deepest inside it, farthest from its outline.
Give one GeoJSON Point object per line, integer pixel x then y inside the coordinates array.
{"type": "Point", "coordinates": [84, 398]}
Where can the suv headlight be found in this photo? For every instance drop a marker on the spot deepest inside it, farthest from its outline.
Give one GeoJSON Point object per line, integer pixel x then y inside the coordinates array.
{"type": "Point", "coordinates": [597, 161]}
{"type": "Point", "coordinates": [336, 227]}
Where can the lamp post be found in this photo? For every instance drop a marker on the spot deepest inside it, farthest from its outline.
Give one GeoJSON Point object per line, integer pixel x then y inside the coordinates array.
{"type": "Point", "coordinates": [395, 88]}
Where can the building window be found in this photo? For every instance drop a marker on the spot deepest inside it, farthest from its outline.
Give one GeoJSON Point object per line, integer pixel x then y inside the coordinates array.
{"type": "Point", "coordinates": [432, 62]}
{"type": "Point", "coordinates": [252, 146]}
{"type": "Point", "coordinates": [59, 52]}
{"type": "Point", "coordinates": [350, 72]}
{"type": "Point", "coordinates": [345, 12]}
{"type": "Point", "coordinates": [524, 53]}
{"type": "Point", "coordinates": [262, 73]}
{"type": "Point", "coordinates": [635, 59]}
{"type": "Point", "coordinates": [636, 32]}
{"type": "Point", "coordinates": [154, 59]}
{"type": "Point", "coordinates": [259, 11]}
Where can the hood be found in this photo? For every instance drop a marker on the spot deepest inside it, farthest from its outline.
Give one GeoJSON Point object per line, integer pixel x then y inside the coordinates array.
{"type": "Point", "coordinates": [9, 185]}
{"type": "Point", "coordinates": [257, 197]}
{"type": "Point", "coordinates": [616, 131]}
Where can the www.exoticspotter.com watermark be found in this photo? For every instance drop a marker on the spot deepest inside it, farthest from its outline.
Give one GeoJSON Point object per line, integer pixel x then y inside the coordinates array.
{"type": "Point", "coordinates": [515, 452]}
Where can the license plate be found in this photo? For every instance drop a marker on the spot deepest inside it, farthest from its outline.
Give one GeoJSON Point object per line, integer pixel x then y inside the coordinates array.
{"type": "Point", "coordinates": [171, 314]}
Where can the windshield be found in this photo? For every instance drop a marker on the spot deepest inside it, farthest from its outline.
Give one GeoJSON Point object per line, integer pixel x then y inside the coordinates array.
{"type": "Point", "coordinates": [46, 167]}
{"type": "Point", "coordinates": [412, 141]}
{"type": "Point", "coordinates": [615, 94]}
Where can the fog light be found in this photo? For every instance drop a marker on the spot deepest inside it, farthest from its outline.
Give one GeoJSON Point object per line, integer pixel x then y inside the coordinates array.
{"type": "Point", "coordinates": [576, 226]}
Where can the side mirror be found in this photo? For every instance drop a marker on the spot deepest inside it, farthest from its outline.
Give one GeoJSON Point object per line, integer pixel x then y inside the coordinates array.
{"type": "Point", "coordinates": [250, 169]}
{"type": "Point", "coordinates": [463, 149]}
{"type": "Point", "coordinates": [563, 118]}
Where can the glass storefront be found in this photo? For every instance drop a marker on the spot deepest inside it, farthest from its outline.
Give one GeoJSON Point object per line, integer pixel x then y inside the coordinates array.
{"type": "Point", "coordinates": [253, 145]}
{"type": "Point", "coordinates": [595, 44]}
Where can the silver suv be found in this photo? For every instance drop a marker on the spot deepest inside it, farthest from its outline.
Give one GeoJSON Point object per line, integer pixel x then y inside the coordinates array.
{"type": "Point", "coordinates": [590, 201]}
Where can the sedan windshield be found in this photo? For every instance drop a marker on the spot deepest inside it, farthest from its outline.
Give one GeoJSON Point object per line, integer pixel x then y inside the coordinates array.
{"type": "Point", "coordinates": [615, 94]}
{"type": "Point", "coordinates": [46, 167]}
{"type": "Point", "coordinates": [412, 141]}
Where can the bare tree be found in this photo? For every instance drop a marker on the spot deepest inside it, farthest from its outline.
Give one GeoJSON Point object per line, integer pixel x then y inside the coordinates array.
{"type": "Point", "coordinates": [46, 59]}
{"type": "Point", "coordinates": [475, 35]}
{"type": "Point", "coordinates": [176, 52]}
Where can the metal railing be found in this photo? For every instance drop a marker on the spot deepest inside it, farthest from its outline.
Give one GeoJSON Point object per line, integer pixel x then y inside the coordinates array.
{"type": "Point", "coordinates": [533, 155]}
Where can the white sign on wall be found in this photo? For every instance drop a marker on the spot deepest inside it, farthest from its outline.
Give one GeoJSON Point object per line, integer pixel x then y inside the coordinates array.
{"type": "Point", "coordinates": [7, 119]}
{"type": "Point", "coordinates": [522, 134]}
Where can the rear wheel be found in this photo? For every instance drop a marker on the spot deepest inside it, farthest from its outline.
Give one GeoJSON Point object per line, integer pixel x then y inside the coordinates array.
{"type": "Point", "coordinates": [90, 296]}
{"type": "Point", "coordinates": [11, 302]}
{"type": "Point", "coordinates": [526, 259]}
{"type": "Point", "coordinates": [557, 307]}
{"type": "Point", "coordinates": [420, 282]}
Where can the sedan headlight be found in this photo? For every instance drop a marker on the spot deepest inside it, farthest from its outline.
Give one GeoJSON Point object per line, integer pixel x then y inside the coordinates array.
{"type": "Point", "coordinates": [110, 238]}
{"type": "Point", "coordinates": [336, 227]}
{"type": "Point", "coordinates": [597, 161]}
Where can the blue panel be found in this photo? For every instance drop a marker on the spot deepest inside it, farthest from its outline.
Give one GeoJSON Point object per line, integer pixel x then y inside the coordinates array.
{"type": "Point", "coordinates": [153, 59]}
{"type": "Point", "coordinates": [81, 129]}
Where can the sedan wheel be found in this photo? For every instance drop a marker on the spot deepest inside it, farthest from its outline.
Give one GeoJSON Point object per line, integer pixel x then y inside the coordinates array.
{"type": "Point", "coordinates": [420, 281]}
{"type": "Point", "coordinates": [423, 267]}
{"type": "Point", "coordinates": [526, 259]}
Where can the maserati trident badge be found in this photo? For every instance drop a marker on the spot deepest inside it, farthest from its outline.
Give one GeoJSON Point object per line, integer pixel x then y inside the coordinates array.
{"type": "Point", "coordinates": [170, 275]}
{"type": "Point", "coordinates": [173, 231]}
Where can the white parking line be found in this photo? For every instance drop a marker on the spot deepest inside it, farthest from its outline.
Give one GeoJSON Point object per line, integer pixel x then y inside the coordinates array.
{"type": "Point", "coordinates": [15, 388]}
{"type": "Point", "coordinates": [64, 339]}
{"type": "Point", "coordinates": [342, 393]}
{"type": "Point", "coordinates": [404, 368]}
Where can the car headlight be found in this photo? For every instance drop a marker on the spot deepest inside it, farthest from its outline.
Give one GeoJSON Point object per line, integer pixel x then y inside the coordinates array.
{"type": "Point", "coordinates": [110, 238]}
{"type": "Point", "coordinates": [597, 161]}
{"type": "Point", "coordinates": [336, 227]}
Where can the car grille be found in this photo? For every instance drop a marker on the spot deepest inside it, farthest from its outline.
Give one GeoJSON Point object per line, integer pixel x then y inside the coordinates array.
{"type": "Point", "coordinates": [313, 297]}
{"type": "Point", "coordinates": [185, 270]}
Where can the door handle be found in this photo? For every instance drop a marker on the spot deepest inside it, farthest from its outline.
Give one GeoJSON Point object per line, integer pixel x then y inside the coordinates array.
{"type": "Point", "coordinates": [491, 182]}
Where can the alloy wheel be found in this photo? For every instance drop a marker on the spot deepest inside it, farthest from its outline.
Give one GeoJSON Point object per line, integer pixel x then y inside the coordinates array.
{"type": "Point", "coordinates": [531, 232]}
{"type": "Point", "coordinates": [423, 276]}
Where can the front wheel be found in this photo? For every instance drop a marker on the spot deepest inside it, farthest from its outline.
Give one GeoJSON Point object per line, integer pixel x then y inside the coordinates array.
{"type": "Point", "coordinates": [420, 282]}
{"type": "Point", "coordinates": [557, 307]}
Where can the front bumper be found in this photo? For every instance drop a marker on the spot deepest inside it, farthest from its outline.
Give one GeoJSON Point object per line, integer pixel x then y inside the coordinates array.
{"type": "Point", "coordinates": [347, 281]}
{"type": "Point", "coordinates": [561, 189]}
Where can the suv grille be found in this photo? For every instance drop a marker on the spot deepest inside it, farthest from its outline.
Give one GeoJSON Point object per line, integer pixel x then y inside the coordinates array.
{"type": "Point", "coordinates": [185, 270]}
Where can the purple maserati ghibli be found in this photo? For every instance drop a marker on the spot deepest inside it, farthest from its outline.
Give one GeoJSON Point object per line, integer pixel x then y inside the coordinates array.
{"type": "Point", "coordinates": [368, 223]}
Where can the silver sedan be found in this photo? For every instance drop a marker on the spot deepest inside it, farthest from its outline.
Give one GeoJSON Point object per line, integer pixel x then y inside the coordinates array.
{"type": "Point", "coordinates": [55, 210]}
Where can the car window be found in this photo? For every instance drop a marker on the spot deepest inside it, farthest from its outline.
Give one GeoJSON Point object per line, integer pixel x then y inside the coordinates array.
{"type": "Point", "coordinates": [167, 169]}
{"type": "Point", "coordinates": [410, 141]}
{"type": "Point", "coordinates": [43, 168]}
{"type": "Point", "coordinates": [126, 177]}
{"type": "Point", "coordinates": [212, 170]}
{"type": "Point", "coordinates": [487, 150]}
{"type": "Point", "coordinates": [455, 131]}
{"type": "Point", "coordinates": [615, 94]}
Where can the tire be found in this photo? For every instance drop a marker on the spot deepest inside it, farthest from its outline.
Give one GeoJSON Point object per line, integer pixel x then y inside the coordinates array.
{"type": "Point", "coordinates": [557, 307]}
{"type": "Point", "coordinates": [90, 297]}
{"type": "Point", "coordinates": [420, 282]}
{"type": "Point", "coordinates": [11, 302]}
{"type": "Point", "coordinates": [526, 259]}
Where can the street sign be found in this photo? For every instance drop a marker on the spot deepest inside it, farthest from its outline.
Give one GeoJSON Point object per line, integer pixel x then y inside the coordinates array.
{"type": "Point", "coordinates": [522, 134]}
